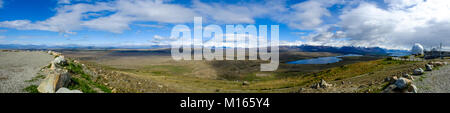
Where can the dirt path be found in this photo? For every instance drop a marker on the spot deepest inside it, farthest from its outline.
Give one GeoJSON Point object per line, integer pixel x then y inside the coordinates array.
{"type": "Point", "coordinates": [437, 81]}
{"type": "Point", "coordinates": [17, 67]}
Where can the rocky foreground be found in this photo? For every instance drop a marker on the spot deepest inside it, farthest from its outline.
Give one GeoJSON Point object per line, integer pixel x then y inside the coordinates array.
{"type": "Point", "coordinates": [45, 72]}
{"type": "Point", "coordinates": [18, 68]}
{"type": "Point", "coordinates": [437, 81]}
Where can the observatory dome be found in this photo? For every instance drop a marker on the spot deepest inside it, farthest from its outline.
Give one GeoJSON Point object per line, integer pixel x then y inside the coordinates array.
{"type": "Point", "coordinates": [417, 49]}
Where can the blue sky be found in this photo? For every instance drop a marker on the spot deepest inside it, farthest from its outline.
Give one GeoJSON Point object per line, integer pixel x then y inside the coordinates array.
{"type": "Point", "coordinates": [379, 23]}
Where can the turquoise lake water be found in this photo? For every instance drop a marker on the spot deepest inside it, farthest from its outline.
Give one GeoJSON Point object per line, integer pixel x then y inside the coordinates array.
{"type": "Point", "coordinates": [322, 60]}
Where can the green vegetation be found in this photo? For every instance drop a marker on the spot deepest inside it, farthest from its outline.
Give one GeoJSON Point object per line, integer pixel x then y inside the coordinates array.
{"type": "Point", "coordinates": [82, 85]}
{"type": "Point", "coordinates": [78, 69]}
{"type": "Point", "coordinates": [84, 82]}
{"type": "Point", "coordinates": [375, 88]}
{"type": "Point", "coordinates": [165, 70]}
{"type": "Point", "coordinates": [419, 56]}
{"type": "Point", "coordinates": [31, 89]}
{"type": "Point", "coordinates": [49, 65]}
{"type": "Point", "coordinates": [39, 76]}
{"type": "Point", "coordinates": [421, 78]}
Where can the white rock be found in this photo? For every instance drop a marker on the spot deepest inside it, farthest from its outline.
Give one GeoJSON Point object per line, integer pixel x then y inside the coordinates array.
{"type": "Point", "coordinates": [60, 61]}
{"type": "Point", "coordinates": [418, 71]}
{"type": "Point", "coordinates": [412, 88]}
{"type": "Point", "coordinates": [54, 81]}
{"type": "Point", "coordinates": [408, 76]}
{"type": "Point", "coordinates": [402, 83]}
{"type": "Point", "coordinates": [65, 90]}
{"type": "Point", "coordinates": [428, 67]}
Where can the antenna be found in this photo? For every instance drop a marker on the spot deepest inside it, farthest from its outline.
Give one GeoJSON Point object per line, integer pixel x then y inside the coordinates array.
{"type": "Point", "coordinates": [440, 51]}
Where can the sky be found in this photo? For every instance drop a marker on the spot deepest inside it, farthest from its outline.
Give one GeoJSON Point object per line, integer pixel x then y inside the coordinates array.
{"type": "Point", "coordinates": [391, 24]}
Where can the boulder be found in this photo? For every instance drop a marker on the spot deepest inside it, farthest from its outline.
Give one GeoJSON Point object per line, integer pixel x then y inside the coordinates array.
{"type": "Point", "coordinates": [408, 76]}
{"type": "Point", "coordinates": [428, 67]}
{"type": "Point", "coordinates": [245, 83]}
{"type": "Point", "coordinates": [65, 90]}
{"type": "Point", "coordinates": [412, 88]}
{"type": "Point", "coordinates": [402, 83]}
{"type": "Point", "coordinates": [54, 81]}
{"type": "Point", "coordinates": [315, 86]}
{"type": "Point", "coordinates": [60, 61]}
{"type": "Point", "coordinates": [438, 63]}
{"type": "Point", "coordinates": [418, 71]}
{"type": "Point", "coordinates": [322, 84]}
{"type": "Point", "coordinates": [393, 79]}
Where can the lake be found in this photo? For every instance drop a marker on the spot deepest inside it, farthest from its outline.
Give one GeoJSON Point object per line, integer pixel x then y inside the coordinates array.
{"type": "Point", "coordinates": [322, 60]}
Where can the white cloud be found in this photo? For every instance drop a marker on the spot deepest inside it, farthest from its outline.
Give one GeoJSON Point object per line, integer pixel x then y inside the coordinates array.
{"type": "Point", "coordinates": [150, 25]}
{"type": "Point", "coordinates": [63, 1]}
{"type": "Point", "coordinates": [129, 11]}
{"type": "Point", "coordinates": [67, 19]}
{"type": "Point", "coordinates": [398, 26]}
{"type": "Point", "coordinates": [307, 15]}
{"type": "Point", "coordinates": [78, 16]}
{"type": "Point", "coordinates": [237, 13]}
{"type": "Point", "coordinates": [157, 37]}
{"type": "Point", "coordinates": [160, 40]}
{"type": "Point", "coordinates": [399, 4]}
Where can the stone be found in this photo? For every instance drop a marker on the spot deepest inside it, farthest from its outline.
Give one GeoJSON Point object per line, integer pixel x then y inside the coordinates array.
{"type": "Point", "coordinates": [393, 79]}
{"type": "Point", "coordinates": [52, 66]}
{"type": "Point", "coordinates": [114, 90]}
{"type": "Point", "coordinates": [54, 81]}
{"type": "Point", "coordinates": [60, 61]}
{"type": "Point", "coordinates": [418, 71]}
{"type": "Point", "coordinates": [438, 63]}
{"type": "Point", "coordinates": [245, 83]}
{"type": "Point", "coordinates": [301, 90]}
{"type": "Point", "coordinates": [428, 67]}
{"type": "Point", "coordinates": [412, 88]}
{"type": "Point", "coordinates": [402, 83]}
{"type": "Point", "coordinates": [408, 76]}
{"type": "Point", "coordinates": [315, 86]}
{"type": "Point", "coordinates": [321, 84]}
{"type": "Point", "coordinates": [65, 90]}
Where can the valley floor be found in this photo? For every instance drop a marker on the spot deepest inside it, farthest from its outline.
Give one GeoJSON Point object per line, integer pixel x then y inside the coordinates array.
{"type": "Point", "coordinates": [147, 72]}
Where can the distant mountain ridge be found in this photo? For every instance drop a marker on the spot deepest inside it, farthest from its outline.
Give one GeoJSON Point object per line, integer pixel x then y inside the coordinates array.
{"type": "Point", "coordinates": [343, 50]}
{"type": "Point", "coordinates": [74, 46]}
{"type": "Point", "coordinates": [303, 48]}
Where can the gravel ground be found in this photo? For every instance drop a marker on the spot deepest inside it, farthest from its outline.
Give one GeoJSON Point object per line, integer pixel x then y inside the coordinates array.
{"type": "Point", "coordinates": [17, 67]}
{"type": "Point", "coordinates": [437, 81]}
